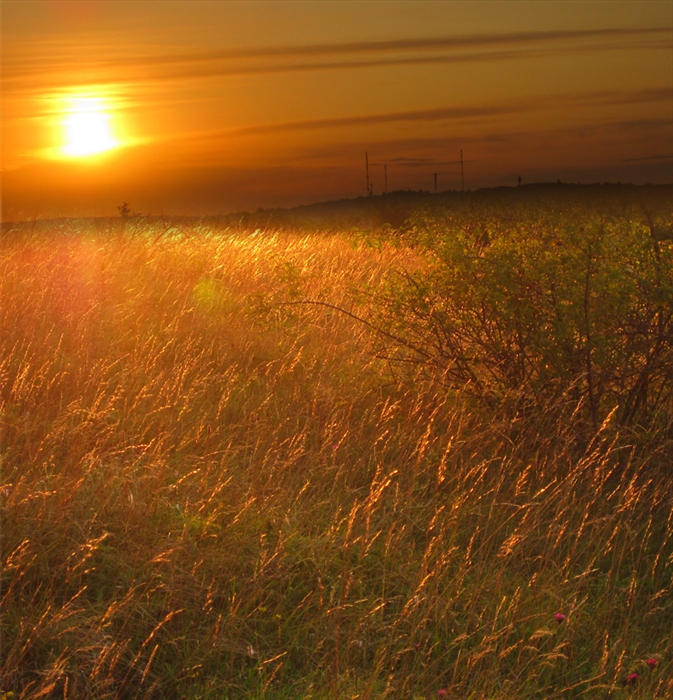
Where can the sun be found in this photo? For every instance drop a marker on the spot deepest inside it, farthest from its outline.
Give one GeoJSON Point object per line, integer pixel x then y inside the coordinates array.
{"type": "Point", "coordinates": [87, 128]}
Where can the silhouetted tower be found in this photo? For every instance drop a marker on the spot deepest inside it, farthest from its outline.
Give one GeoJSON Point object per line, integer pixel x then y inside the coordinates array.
{"type": "Point", "coordinates": [519, 180]}
{"type": "Point", "coordinates": [369, 191]}
{"type": "Point", "coordinates": [435, 183]}
{"type": "Point", "coordinates": [462, 172]}
{"type": "Point", "coordinates": [385, 178]}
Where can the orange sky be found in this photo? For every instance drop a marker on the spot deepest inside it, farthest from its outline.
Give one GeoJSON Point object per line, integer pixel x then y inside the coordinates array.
{"type": "Point", "coordinates": [222, 105]}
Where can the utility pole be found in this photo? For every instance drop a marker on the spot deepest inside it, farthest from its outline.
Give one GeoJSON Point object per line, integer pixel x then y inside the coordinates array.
{"type": "Point", "coordinates": [385, 178]}
{"type": "Point", "coordinates": [435, 183]}
{"type": "Point", "coordinates": [367, 172]}
{"type": "Point", "coordinates": [462, 172]}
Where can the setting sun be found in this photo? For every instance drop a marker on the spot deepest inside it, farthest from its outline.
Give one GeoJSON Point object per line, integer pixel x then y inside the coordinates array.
{"type": "Point", "coordinates": [87, 128]}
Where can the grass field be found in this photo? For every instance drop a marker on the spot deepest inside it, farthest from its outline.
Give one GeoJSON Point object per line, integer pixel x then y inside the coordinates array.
{"type": "Point", "coordinates": [210, 490]}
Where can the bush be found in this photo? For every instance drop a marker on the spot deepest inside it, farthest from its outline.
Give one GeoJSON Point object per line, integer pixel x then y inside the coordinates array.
{"type": "Point", "coordinates": [542, 311]}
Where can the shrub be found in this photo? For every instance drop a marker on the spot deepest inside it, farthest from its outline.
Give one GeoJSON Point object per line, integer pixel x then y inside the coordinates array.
{"type": "Point", "coordinates": [566, 310]}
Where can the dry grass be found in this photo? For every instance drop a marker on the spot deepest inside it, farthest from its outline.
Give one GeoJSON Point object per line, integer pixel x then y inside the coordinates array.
{"type": "Point", "coordinates": [206, 495]}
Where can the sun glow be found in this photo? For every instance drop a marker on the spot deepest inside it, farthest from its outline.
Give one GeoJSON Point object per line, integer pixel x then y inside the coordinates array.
{"type": "Point", "coordinates": [87, 128]}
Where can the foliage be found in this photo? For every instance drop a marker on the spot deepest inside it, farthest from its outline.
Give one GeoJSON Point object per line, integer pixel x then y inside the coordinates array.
{"type": "Point", "coordinates": [548, 310]}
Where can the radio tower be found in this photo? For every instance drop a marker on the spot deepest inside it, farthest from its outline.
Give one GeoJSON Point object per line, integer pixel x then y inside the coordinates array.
{"type": "Point", "coordinates": [367, 172]}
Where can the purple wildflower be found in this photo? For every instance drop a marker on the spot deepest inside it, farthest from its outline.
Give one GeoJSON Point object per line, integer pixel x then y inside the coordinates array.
{"type": "Point", "coordinates": [631, 679]}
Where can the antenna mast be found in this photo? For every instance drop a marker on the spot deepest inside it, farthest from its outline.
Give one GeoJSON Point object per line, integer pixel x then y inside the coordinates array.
{"type": "Point", "coordinates": [462, 171]}
{"type": "Point", "coordinates": [367, 171]}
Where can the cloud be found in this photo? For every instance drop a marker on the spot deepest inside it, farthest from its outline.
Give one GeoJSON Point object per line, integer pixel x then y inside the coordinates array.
{"type": "Point", "coordinates": [424, 44]}
{"type": "Point", "coordinates": [621, 136]}
{"type": "Point", "coordinates": [33, 66]}
{"type": "Point", "coordinates": [663, 156]}
{"type": "Point", "coordinates": [428, 115]}
{"type": "Point", "coordinates": [588, 98]}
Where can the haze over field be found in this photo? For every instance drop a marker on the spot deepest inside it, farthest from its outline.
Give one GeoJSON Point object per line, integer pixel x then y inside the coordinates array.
{"type": "Point", "coordinates": [208, 107]}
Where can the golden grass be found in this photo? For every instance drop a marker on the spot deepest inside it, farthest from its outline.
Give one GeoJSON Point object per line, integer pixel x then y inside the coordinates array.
{"type": "Point", "coordinates": [208, 495]}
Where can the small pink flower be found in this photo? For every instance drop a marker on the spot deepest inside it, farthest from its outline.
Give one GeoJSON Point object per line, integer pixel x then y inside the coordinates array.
{"type": "Point", "coordinates": [560, 617]}
{"type": "Point", "coordinates": [652, 663]}
{"type": "Point", "coordinates": [417, 646]}
{"type": "Point", "coordinates": [442, 693]}
{"type": "Point", "coordinates": [631, 679]}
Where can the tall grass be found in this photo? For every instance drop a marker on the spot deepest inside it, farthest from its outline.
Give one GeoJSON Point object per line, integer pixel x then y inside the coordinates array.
{"type": "Point", "coordinates": [209, 494]}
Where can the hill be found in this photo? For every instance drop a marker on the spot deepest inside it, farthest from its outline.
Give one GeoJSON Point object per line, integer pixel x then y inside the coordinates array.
{"type": "Point", "coordinates": [392, 209]}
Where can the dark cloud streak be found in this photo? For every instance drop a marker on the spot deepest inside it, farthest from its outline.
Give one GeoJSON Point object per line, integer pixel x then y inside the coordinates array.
{"type": "Point", "coordinates": [665, 156]}
{"type": "Point", "coordinates": [400, 45]}
{"type": "Point", "coordinates": [596, 98]}
{"type": "Point", "coordinates": [228, 62]}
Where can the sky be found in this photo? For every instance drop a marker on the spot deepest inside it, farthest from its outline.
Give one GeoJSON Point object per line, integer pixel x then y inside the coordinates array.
{"type": "Point", "coordinates": [206, 107]}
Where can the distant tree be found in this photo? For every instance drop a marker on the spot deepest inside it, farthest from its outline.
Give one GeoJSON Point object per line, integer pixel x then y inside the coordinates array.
{"type": "Point", "coordinates": [124, 210]}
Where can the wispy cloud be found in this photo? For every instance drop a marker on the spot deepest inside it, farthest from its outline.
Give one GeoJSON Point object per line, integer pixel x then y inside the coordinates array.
{"type": "Point", "coordinates": [428, 115]}
{"type": "Point", "coordinates": [426, 44]}
{"type": "Point", "coordinates": [624, 134]}
{"type": "Point", "coordinates": [663, 156]}
{"type": "Point", "coordinates": [32, 66]}
{"type": "Point", "coordinates": [589, 98]}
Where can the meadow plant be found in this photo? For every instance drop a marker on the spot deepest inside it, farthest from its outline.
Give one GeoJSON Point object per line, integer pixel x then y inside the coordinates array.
{"type": "Point", "coordinates": [209, 494]}
{"type": "Point", "coordinates": [545, 310]}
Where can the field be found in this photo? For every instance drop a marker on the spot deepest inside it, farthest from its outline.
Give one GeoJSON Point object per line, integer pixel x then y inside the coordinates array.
{"type": "Point", "coordinates": [417, 462]}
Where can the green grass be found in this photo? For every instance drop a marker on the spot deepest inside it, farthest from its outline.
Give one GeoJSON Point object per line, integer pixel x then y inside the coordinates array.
{"type": "Point", "coordinates": [207, 494]}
